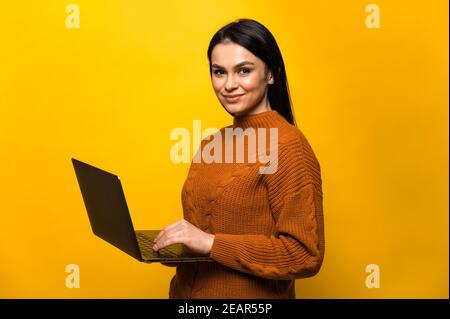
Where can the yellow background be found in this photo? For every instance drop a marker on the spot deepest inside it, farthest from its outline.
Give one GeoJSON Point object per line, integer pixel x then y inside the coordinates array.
{"type": "Point", "coordinates": [372, 102]}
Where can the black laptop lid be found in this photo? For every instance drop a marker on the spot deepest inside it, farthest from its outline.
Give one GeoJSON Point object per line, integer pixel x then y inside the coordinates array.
{"type": "Point", "coordinates": [107, 208]}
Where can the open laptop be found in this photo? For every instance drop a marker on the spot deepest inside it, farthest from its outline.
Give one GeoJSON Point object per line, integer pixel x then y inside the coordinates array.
{"type": "Point", "coordinates": [110, 219]}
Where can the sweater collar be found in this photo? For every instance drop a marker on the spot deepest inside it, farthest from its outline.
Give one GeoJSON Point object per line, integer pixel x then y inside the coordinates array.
{"type": "Point", "coordinates": [263, 119]}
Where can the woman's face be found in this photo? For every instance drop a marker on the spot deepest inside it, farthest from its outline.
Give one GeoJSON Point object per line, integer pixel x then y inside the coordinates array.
{"type": "Point", "coordinates": [236, 71]}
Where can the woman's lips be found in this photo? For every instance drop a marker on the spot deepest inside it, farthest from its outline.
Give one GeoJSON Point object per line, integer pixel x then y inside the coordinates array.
{"type": "Point", "coordinates": [233, 99]}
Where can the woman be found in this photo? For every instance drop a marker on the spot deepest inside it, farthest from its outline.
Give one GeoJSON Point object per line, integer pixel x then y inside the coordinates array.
{"type": "Point", "coordinates": [262, 231]}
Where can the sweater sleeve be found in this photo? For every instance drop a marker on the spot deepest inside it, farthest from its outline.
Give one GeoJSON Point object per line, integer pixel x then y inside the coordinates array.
{"type": "Point", "coordinates": [296, 247]}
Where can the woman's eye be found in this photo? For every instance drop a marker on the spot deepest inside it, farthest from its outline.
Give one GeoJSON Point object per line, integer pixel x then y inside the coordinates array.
{"type": "Point", "coordinates": [245, 69]}
{"type": "Point", "coordinates": [220, 72]}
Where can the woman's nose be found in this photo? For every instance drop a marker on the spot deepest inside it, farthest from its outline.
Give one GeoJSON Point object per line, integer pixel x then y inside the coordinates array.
{"type": "Point", "coordinates": [231, 83]}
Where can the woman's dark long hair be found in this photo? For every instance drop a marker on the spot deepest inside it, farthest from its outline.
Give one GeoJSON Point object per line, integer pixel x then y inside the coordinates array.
{"type": "Point", "coordinates": [256, 38]}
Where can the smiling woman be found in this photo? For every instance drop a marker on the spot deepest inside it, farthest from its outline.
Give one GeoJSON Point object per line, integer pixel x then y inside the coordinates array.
{"type": "Point", "coordinates": [262, 231]}
{"type": "Point", "coordinates": [252, 77]}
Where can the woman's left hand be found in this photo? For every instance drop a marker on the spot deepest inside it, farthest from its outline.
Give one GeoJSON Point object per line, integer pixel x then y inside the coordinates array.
{"type": "Point", "coordinates": [183, 232]}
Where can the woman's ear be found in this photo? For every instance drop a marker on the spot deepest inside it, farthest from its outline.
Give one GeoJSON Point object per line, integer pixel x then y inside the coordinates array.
{"type": "Point", "coordinates": [270, 77]}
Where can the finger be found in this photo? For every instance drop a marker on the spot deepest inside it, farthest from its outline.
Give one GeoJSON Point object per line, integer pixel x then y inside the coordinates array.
{"type": "Point", "coordinates": [165, 241]}
{"type": "Point", "coordinates": [174, 238]}
{"type": "Point", "coordinates": [165, 229]}
{"type": "Point", "coordinates": [171, 227]}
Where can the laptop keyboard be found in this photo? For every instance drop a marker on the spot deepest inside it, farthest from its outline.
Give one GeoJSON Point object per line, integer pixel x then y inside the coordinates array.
{"type": "Point", "coordinates": [146, 247]}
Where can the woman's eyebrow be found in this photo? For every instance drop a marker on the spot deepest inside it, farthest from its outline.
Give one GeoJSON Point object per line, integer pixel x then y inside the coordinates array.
{"type": "Point", "coordinates": [236, 66]}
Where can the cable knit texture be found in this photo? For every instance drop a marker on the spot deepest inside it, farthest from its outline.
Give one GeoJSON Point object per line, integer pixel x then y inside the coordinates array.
{"type": "Point", "coordinates": [268, 228]}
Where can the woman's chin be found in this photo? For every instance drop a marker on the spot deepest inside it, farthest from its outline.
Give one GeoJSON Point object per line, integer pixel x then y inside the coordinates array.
{"type": "Point", "coordinates": [234, 108]}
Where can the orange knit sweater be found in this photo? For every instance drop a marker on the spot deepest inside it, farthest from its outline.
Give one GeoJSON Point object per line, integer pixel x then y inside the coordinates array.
{"type": "Point", "coordinates": [268, 228]}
